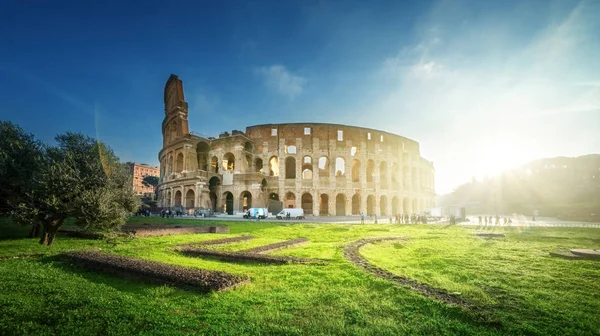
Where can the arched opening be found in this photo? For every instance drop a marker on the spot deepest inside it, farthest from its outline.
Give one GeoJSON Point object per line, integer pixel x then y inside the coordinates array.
{"type": "Point", "coordinates": [290, 149]}
{"type": "Point", "coordinates": [274, 196]}
{"type": "Point", "coordinates": [179, 163]}
{"type": "Point", "coordinates": [290, 200]}
{"type": "Point", "coordinates": [415, 206]}
{"type": "Point", "coordinates": [290, 167]}
{"type": "Point", "coordinates": [383, 178]}
{"type": "Point", "coordinates": [168, 202]}
{"type": "Point", "coordinates": [228, 203]}
{"type": "Point", "coordinates": [228, 161]}
{"type": "Point", "coordinates": [213, 201]}
{"type": "Point", "coordinates": [370, 171]}
{"type": "Point", "coordinates": [307, 170]}
{"type": "Point", "coordinates": [273, 203]}
{"type": "Point", "coordinates": [202, 150]}
{"type": "Point", "coordinates": [189, 199]}
{"type": "Point", "coordinates": [214, 164]}
{"type": "Point", "coordinates": [371, 205]}
{"type": "Point", "coordinates": [324, 205]}
{"type": "Point", "coordinates": [177, 198]}
{"type": "Point", "coordinates": [213, 187]}
{"type": "Point", "coordinates": [383, 205]}
{"type": "Point", "coordinates": [395, 176]}
{"type": "Point", "coordinates": [274, 166]}
{"type": "Point", "coordinates": [340, 167]}
{"type": "Point", "coordinates": [248, 147]}
{"type": "Point", "coordinates": [323, 166]}
{"type": "Point", "coordinates": [258, 165]}
{"type": "Point", "coordinates": [395, 206]}
{"type": "Point", "coordinates": [355, 171]}
{"type": "Point", "coordinates": [245, 200]}
{"type": "Point", "coordinates": [307, 203]}
{"type": "Point", "coordinates": [340, 205]}
{"type": "Point", "coordinates": [406, 205]}
{"type": "Point", "coordinates": [356, 204]}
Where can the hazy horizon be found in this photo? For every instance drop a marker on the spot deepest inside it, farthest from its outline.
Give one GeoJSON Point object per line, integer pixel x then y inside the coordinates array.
{"type": "Point", "coordinates": [481, 86]}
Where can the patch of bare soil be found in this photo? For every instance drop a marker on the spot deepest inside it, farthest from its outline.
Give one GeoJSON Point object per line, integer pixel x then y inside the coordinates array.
{"type": "Point", "coordinates": [245, 256]}
{"type": "Point", "coordinates": [145, 230]}
{"type": "Point", "coordinates": [218, 241]}
{"type": "Point", "coordinates": [178, 276]}
{"type": "Point", "coordinates": [276, 246]}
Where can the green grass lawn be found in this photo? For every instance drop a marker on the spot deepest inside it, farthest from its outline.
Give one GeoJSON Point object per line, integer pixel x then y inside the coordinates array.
{"type": "Point", "coordinates": [513, 279]}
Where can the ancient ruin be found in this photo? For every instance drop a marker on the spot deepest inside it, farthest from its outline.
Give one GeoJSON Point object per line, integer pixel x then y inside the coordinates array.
{"type": "Point", "coordinates": [326, 169]}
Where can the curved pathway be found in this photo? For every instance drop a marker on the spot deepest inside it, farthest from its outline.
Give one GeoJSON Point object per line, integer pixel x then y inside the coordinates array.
{"type": "Point", "coordinates": [352, 254]}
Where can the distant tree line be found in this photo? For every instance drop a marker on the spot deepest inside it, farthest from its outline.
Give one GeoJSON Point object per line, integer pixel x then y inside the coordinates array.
{"type": "Point", "coordinates": [565, 187]}
{"type": "Point", "coordinates": [78, 177]}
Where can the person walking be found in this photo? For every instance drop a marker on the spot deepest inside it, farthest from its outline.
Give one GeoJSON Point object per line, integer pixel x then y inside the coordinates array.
{"type": "Point", "coordinates": [362, 218]}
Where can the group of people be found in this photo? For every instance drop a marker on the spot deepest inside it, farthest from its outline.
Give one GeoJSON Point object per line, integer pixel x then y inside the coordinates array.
{"type": "Point", "coordinates": [490, 220]}
{"type": "Point", "coordinates": [399, 219]}
{"type": "Point", "coordinates": [143, 213]}
{"type": "Point", "coordinates": [170, 213]}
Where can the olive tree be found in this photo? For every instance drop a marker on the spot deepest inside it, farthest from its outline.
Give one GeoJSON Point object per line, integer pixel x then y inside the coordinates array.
{"type": "Point", "coordinates": [79, 178]}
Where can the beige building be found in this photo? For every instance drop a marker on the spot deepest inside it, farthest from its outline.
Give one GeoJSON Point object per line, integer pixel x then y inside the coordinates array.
{"type": "Point", "coordinates": [139, 171]}
{"type": "Point", "coordinates": [326, 169]}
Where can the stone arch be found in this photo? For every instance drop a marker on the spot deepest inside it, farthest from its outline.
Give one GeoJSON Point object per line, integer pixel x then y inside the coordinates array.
{"type": "Point", "coordinates": [406, 205]}
{"type": "Point", "coordinates": [356, 204]}
{"type": "Point", "coordinates": [258, 165]}
{"type": "Point", "coordinates": [228, 202]}
{"type": "Point", "coordinates": [370, 171]}
{"type": "Point", "coordinates": [169, 199]}
{"type": "Point", "coordinates": [307, 168]}
{"type": "Point", "coordinates": [370, 205]}
{"type": "Point", "coordinates": [214, 164]}
{"type": "Point", "coordinates": [202, 151]}
{"type": "Point", "coordinates": [290, 200]}
{"type": "Point", "coordinates": [340, 205]}
{"type": "Point", "coordinates": [177, 200]}
{"type": "Point", "coordinates": [355, 170]}
{"type": "Point", "coordinates": [383, 178]}
{"type": "Point", "coordinates": [383, 205]}
{"type": "Point", "coordinates": [179, 163]}
{"type": "Point", "coordinates": [229, 161]}
{"type": "Point", "coordinates": [274, 196]}
{"type": "Point", "coordinates": [245, 200]}
{"type": "Point", "coordinates": [395, 206]}
{"type": "Point", "coordinates": [290, 167]}
{"type": "Point", "coordinates": [340, 166]}
{"type": "Point", "coordinates": [307, 203]}
{"type": "Point", "coordinates": [323, 166]}
{"type": "Point", "coordinates": [324, 205]}
{"type": "Point", "coordinates": [274, 166]}
{"type": "Point", "coordinates": [190, 199]}
{"type": "Point", "coordinates": [248, 147]}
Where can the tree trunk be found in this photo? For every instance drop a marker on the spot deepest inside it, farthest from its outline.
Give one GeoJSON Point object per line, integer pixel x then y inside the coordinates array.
{"type": "Point", "coordinates": [35, 231]}
{"type": "Point", "coordinates": [50, 229]}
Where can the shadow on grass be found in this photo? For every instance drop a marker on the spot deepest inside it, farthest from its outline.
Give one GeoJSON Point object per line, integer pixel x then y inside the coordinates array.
{"type": "Point", "coordinates": [128, 284]}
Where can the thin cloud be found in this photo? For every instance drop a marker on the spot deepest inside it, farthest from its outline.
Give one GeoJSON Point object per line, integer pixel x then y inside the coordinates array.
{"type": "Point", "coordinates": [279, 80]}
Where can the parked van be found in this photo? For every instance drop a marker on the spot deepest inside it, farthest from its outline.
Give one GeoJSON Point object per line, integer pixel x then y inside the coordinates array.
{"type": "Point", "coordinates": [260, 213]}
{"type": "Point", "coordinates": [294, 213]}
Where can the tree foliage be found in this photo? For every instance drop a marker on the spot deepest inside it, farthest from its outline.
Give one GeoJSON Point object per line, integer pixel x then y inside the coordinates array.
{"type": "Point", "coordinates": [79, 178]}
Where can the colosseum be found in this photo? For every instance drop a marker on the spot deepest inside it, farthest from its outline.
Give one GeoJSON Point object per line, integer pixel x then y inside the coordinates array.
{"type": "Point", "coordinates": [326, 169]}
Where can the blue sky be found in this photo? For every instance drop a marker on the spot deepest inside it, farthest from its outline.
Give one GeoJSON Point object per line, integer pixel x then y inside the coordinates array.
{"type": "Point", "coordinates": [482, 85]}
